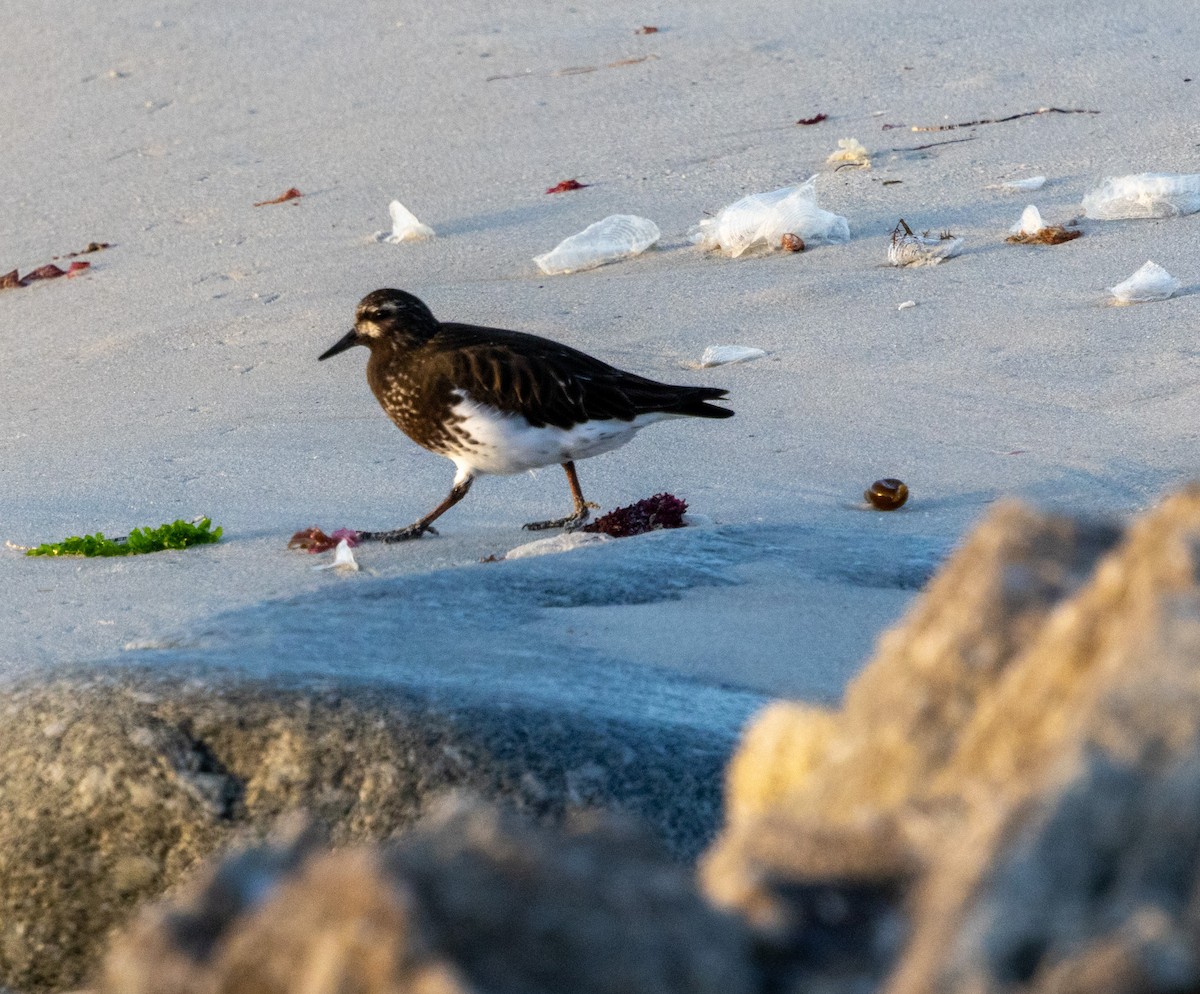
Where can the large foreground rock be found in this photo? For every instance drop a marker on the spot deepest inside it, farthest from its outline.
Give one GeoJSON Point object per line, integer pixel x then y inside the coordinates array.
{"type": "Point", "coordinates": [115, 786]}
{"type": "Point", "coordinates": [1010, 798]}
{"type": "Point", "coordinates": [470, 901]}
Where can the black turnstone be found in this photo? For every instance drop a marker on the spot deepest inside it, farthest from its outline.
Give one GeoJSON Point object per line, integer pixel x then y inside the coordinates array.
{"type": "Point", "coordinates": [495, 401]}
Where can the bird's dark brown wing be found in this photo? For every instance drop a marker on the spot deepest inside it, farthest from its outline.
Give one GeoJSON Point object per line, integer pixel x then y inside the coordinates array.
{"type": "Point", "coordinates": [553, 384]}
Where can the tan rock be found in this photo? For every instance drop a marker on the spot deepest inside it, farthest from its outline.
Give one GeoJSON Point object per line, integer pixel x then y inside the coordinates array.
{"type": "Point", "coordinates": [470, 902]}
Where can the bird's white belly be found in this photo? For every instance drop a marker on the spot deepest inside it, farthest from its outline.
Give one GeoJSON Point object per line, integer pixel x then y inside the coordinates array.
{"type": "Point", "coordinates": [489, 441]}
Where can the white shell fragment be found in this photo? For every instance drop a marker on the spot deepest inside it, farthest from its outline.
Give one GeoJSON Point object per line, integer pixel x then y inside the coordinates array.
{"type": "Point", "coordinates": [850, 151]}
{"type": "Point", "coordinates": [617, 237]}
{"type": "Point", "coordinates": [919, 250]}
{"type": "Point", "coordinates": [723, 355]}
{"type": "Point", "coordinates": [1020, 185]}
{"type": "Point", "coordinates": [1030, 223]}
{"type": "Point", "coordinates": [558, 543]}
{"type": "Point", "coordinates": [343, 559]}
{"type": "Point", "coordinates": [1144, 195]}
{"type": "Point", "coordinates": [906, 305]}
{"type": "Point", "coordinates": [1151, 282]}
{"type": "Point", "coordinates": [405, 226]}
{"type": "Point", "coordinates": [762, 219]}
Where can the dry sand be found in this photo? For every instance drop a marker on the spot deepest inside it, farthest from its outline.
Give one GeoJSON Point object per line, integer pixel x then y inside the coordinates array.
{"type": "Point", "coordinates": [179, 377]}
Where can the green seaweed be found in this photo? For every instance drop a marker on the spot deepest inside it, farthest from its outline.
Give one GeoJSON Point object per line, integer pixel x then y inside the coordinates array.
{"type": "Point", "coordinates": [177, 535]}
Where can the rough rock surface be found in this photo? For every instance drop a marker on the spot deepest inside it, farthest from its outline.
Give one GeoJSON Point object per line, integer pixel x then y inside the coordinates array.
{"type": "Point", "coordinates": [472, 900]}
{"type": "Point", "coordinates": [1015, 778]}
{"type": "Point", "coordinates": [115, 786]}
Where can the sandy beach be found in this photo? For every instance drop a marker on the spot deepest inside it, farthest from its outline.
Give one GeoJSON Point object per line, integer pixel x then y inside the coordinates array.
{"type": "Point", "coordinates": [178, 376]}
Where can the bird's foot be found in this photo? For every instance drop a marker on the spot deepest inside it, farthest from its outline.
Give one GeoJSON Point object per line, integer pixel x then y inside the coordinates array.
{"type": "Point", "coordinates": [415, 530]}
{"type": "Point", "coordinates": [569, 523]}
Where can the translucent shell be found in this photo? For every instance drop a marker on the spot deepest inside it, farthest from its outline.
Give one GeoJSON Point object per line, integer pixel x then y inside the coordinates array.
{"type": "Point", "coordinates": [617, 237]}
{"type": "Point", "coordinates": [886, 495]}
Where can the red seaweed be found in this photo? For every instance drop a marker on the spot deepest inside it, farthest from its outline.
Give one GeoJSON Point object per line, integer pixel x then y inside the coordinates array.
{"type": "Point", "coordinates": [566, 185]}
{"type": "Point", "coordinates": [651, 514]}
{"type": "Point", "coordinates": [291, 193]}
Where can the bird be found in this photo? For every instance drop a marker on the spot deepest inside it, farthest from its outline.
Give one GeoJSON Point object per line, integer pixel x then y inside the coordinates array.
{"type": "Point", "coordinates": [500, 402]}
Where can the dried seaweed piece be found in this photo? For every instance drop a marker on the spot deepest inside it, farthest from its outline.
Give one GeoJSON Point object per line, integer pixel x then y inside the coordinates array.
{"type": "Point", "coordinates": [1002, 120]}
{"type": "Point", "coordinates": [886, 495]}
{"type": "Point", "coordinates": [9, 281]}
{"type": "Point", "coordinates": [815, 119]}
{"type": "Point", "coordinates": [311, 540]}
{"type": "Point", "coordinates": [567, 185]}
{"type": "Point", "coordinates": [46, 272]}
{"type": "Point", "coordinates": [949, 141]}
{"type": "Point", "coordinates": [631, 61]}
{"type": "Point", "coordinates": [653, 513]}
{"type": "Point", "coordinates": [646, 29]}
{"type": "Point", "coordinates": [314, 540]}
{"type": "Point", "coordinates": [1052, 234]}
{"type": "Point", "coordinates": [78, 267]}
{"type": "Point", "coordinates": [91, 247]}
{"type": "Point", "coordinates": [291, 193]}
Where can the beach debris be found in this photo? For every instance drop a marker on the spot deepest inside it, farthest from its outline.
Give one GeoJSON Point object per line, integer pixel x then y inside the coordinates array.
{"type": "Point", "coordinates": [906, 305]}
{"type": "Point", "coordinates": [910, 249]}
{"type": "Point", "coordinates": [815, 119]}
{"type": "Point", "coordinates": [1144, 195]}
{"type": "Point", "coordinates": [652, 514]}
{"type": "Point", "coordinates": [616, 237]}
{"type": "Point", "coordinates": [892, 182]}
{"type": "Point", "coordinates": [567, 185]}
{"type": "Point", "coordinates": [405, 226]}
{"type": "Point", "coordinates": [343, 559]}
{"type": "Point", "coordinates": [724, 355]}
{"type": "Point", "coordinates": [948, 141]}
{"type": "Point", "coordinates": [91, 247]}
{"type": "Point", "coordinates": [791, 242]}
{"type": "Point", "coordinates": [1032, 230]}
{"type": "Point", "coordinates": [632, 61]}
{"type": "Point", "coordinates": [46, 272]}
{"type": "Point", "coordinates": [887, 494]}
{"type": "Point", "coordinates": [176, 535]}
{"type": "Point", "coordinates": [1020, 185]}
{"type": "Point", "coordinates": [1030, 222]}
{"type": "Point", "coordinates": [646, 29]}
{"type": "Point", "coordinates": [850, 152]}
{"type": "Point", "coordinates": [1151, 282]}
{"type": "Point", "coordinates": [291, 193]}
{"type": "Point", "coordinates": [762, 219]}
{"type": "Point", "coordinates": [993, 120]}
{"type": "Point", "coordinates": [11, 280]}
{"type": "Point", "coordinates": [314, 540]}
{"type": "Point", "coordinates": [566, 542]}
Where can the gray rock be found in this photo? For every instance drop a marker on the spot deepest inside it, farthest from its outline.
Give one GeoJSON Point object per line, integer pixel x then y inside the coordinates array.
{"type": "Point", "coordinates": [116, 785]}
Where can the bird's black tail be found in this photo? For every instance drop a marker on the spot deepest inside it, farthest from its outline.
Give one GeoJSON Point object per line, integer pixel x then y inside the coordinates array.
{"type": "Point", "coordinates": [693, 403]}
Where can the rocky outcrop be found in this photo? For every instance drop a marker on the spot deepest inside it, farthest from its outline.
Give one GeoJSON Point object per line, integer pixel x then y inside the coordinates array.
{"type": "Point", "coordinates": [115, 787]}
{"type": "Point", "coordinates": [1014, 775]}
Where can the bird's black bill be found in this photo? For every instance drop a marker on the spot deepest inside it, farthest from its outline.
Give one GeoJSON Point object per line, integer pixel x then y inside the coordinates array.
{"type": "Point", "coordinates": [346, 342]}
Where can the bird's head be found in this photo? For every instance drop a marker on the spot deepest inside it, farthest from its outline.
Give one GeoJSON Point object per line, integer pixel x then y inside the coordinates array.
{"type": "Point", "coordinates": [387, 316]}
